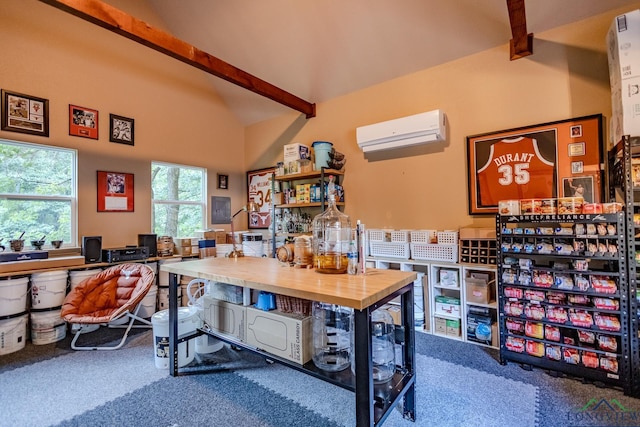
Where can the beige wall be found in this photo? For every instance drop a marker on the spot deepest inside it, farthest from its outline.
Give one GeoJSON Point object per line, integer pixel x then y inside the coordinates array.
{"type": "Point", "coordinates": [567, 76]}
{"type": "Point", "coordinates": [178, 117]}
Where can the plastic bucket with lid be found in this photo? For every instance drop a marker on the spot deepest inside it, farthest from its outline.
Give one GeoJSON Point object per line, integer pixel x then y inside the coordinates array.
{"type": "Point", "coordinates": [321, 151]}
{"type": "Point", "coordinates": [252, 244]}
{"type": "Point", "coordinates": [47, 327]}
{"type": "Point", "coordinates": [13, 333]}
{"type": "Point", "coordinates": [188, 322]}
{"type": "Point", "coordinates": [149, 303]}
{"type": "Point", "coordinates": [77, 276]}
{"type": "Point", "coordinates": [163, 297]}
{"type": "Point", "coordinates": [48, 289]}
{"type": "Point", "coordinates": [13, 295]}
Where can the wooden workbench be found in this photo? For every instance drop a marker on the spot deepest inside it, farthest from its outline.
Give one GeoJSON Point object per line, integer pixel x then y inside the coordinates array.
{"type": "Point", "coordinates": [363, 293]}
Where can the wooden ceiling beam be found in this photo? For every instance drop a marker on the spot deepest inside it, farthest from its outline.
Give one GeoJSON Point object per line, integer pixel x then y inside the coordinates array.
{"type": "Point", "coordinates": [119, 22]}
{"type": "Point", "coordinates": [521, 44]}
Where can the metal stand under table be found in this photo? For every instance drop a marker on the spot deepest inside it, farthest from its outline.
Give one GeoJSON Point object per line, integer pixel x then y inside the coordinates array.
{"type": "Point", "coordinates": [364, 293]}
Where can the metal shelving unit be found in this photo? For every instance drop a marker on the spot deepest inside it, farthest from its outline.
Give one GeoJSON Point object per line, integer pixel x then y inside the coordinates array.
{"type": "Point", "coordinates": [624, 188]}
{"type": "Point", "coordinates": [567, 310]}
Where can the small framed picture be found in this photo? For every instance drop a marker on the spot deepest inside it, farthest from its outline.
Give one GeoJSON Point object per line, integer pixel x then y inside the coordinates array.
{"type": "Point", "coordinates": [121, 129]}
{"type": "Point", "coordinates": [24, 113]}
{"type": "Point", "coordinates": [223, 181]}
{"type": "Point", "coordinates": [83, 122]}
{"type": "Point", "coordinates": [576, 131]}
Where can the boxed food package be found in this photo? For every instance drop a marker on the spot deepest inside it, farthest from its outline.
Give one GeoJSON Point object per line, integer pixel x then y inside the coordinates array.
{"type": "Point", "coordinates": [224, 317]}
{"type": "Point", "coordinates": [441, 325]}
{"type": "Point", "coordinates": [296, 151]}
{"type": "Point", "coordinates": [453, 327]}
{"type": "Point", "coordinates": [448, 305]}
{"type": "Point", "coordinates": [286, 335]}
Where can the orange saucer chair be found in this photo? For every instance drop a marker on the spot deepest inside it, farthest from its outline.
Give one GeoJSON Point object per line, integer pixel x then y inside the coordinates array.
{"type": "Point", "coordinates": [106, 299]}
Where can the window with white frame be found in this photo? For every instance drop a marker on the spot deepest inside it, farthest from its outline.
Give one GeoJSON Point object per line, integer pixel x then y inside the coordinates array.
{"type": "Point", "coordinates": [38, 193]}
{"type": "Point", "coordinates": [178, 198]}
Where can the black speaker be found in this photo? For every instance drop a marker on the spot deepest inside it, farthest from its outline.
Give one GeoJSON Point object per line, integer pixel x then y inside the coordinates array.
{"type": "Point", "coordinates": [92, 249]}
{"type": "Point", "coordinates": [150, 241]}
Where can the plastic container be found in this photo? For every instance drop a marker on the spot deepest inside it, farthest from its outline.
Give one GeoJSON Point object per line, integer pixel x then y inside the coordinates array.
{"type": "Point", "coordinates": [47, 327]}
{"type": "Point", "coordinates": [13, 333]}
{"type": "Point", "coordinates": [321, 151]}
{"type": "Point", "coordinates": [77, 276]}
{"type": "Point", "coordinates": [331, 337]}
{"type": "Point", "coordinates": [48, 289]}
{"type": "Point", "coordinates": [13, 295]}
{"type": "Point", "coordinates": [149, 303]}
{"type": "Point", "coordinates": [188, 322]}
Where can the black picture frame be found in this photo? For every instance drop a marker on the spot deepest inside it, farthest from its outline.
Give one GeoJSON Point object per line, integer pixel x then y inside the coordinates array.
{"type": "Point", "coordinates": [223, 181]}
{"type": "Point", "coordinates": [24, 113]}
{"type": "Point", "coordinates": [570, 149]}
{"type": "Point", "coordinates": [121, 129]}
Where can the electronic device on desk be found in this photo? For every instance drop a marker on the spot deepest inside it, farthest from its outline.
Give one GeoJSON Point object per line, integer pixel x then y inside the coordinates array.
{"type": "Point", "coordinates": [129, 253]}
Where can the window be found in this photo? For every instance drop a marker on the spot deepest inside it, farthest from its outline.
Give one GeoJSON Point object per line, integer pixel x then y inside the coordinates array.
{"type": "Point", "coordinates": [179, 199]}
{"type": "Point", "coordinates": [38, 188]}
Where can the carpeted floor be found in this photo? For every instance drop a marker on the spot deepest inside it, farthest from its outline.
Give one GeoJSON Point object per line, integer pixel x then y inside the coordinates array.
{"type": "Point", "coordinates": [458, 384]}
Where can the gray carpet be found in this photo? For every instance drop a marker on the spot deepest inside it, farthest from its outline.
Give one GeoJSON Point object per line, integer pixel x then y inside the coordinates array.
{"type": "Point", "coordinates": [458, 384]}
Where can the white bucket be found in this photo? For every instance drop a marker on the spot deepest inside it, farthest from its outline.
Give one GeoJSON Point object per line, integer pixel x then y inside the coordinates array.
{"type": "Point", "coordinates": [47, 327]}
{"type": "Point", "coordinates": [48, 289]}
{"type": "Point", "coordinates": [223, 249]}
{"type": "Point", "coordinates": [163, 297]}
{"type": "Point", "coordinates": [163, 276]}
{"type": "Point", "coordinates": [149, 303]}
{"type": "Point", "coordinates": [253, 248]}
{"type": "Point", "coordinates": [13, 334]}
{"type": "Point", "coordinates": [13, 295]}
{"type": "Point", "coordinates": [188, 322]}
{"type": "Point", "coordinates": [77, 276]}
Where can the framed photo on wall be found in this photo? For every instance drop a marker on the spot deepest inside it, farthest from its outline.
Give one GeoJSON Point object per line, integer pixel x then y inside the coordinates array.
{"type": "Point", "coordinates": [83, 122]}
{"type": "Point", "coordinates": [223, 182]}
{"type": "Point", "coordinates": [121, 129]}
{"type": "Point", "coordinates": [115, 192]}
{"type": "Point", "coordinates": [259, 191]}
{"type": "Point", "coordinates": [535, 162]}
{"type": "Point", "coordinates": [24, 113]}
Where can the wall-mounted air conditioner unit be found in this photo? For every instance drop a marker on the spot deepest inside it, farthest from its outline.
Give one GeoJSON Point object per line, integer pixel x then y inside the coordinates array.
{"type": "Point", "coordinates": [403, 132]}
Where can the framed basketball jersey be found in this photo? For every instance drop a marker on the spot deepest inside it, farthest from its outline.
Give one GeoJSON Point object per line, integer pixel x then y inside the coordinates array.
{"type": "Point", "coordinates": [558, 159]}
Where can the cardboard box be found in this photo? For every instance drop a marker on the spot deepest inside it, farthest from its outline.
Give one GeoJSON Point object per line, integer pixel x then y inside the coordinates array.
{"type": "Point", "coordinates": [286, 335]}
{"type": "Point", "coordinates": [224, 317]}
{"type": "Point", "coordinates": [183, 250]}
{"type": "Point", "coordinates": [448, 305]}
{"type": "Point", "coordinates": [479, 291]}
{"type": "Point", "coordinates": [296, 151]}
{"type": "Point", "coordinates": [441, 325]}
{"type": "Point", "coordinates": [453, 327]}
{"type": "Point", "coordinates": [448, 277]}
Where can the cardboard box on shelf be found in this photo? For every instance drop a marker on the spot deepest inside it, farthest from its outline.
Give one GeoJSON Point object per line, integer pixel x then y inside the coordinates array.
{"type": "Point", "coordinates": [453, 328]}
{"type": "Point", "coordinates": [448, 305]}
{"type": "Point", "coordinates": [224, 317]}
{"type": "Point", "coordinates": [479, 291]}
{"type": "Point", "coordinates": [441, 325]}
{"type": "Point", "coordinates": [286, 335]}
{"type": "Point", "coordinates": [296, 151]}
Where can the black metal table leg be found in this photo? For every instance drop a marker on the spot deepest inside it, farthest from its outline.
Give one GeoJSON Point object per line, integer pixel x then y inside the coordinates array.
{"type": "Point", "coordinates": [409, 402]}
{"type": "Point", "coordinates": [363, 368]}
{"type": "Point", "coordinates": [173, 324]}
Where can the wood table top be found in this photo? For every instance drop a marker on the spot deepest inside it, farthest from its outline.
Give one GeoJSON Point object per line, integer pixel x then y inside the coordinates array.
{"type": "Point", "coordinates": [268, 274]}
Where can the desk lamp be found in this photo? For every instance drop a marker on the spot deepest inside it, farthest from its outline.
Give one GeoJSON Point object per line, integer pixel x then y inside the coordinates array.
{"type": "Point", "coordinates": [250, 207]}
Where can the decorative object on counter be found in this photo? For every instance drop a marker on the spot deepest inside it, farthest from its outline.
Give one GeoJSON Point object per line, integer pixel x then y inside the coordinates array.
{"type": "Point", "coordinates": [321, 150]}
{"type": "Point", "coordinates": [250, 207]}
{"type": "Point", "coordinates": [17, 244]}
{"type": "Point", "coordinates": [303, 252]}
{"type": "Point", "coordinates": [57, 244]}
{"type": "Point", "coordinates": [37, 244]}
{"type": "Point", "coordinates": [331, 236]}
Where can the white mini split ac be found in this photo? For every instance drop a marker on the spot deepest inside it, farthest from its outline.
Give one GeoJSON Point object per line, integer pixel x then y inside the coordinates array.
{"type": "Point", "coordinates": [403, 132]}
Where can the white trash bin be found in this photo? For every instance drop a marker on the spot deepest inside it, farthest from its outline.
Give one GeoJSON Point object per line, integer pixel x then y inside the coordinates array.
{"type": "Point", "coordinates": [188, 322]}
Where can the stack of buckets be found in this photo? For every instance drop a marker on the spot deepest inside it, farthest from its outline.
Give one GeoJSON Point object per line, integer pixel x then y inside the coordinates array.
{"type": "Point", "coordinates": [48, 290]}
{"type": "Point", "coordinates": [13, 313]}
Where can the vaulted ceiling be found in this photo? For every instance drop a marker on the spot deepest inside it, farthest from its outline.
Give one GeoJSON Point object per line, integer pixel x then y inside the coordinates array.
{"type": "Point", "coordinates": [321, 49]}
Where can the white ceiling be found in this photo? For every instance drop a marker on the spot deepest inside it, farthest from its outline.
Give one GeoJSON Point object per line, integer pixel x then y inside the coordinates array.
{"type": "Point", "coordinates": [321, 49]}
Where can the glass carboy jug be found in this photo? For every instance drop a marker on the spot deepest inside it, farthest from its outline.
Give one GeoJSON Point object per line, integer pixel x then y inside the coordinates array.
{"type": "Point", "coordinates": [331, 236]}
{"type": "Point", "coordinates": [383, 353]}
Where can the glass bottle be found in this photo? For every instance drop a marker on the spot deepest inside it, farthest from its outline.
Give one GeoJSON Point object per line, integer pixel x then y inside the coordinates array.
{"type": "Point", "coordinates": [383, 354]}
{"type": "Point", "coordinates": [331, 237]}
{"type": "Point", "coordinates": [331, 336]}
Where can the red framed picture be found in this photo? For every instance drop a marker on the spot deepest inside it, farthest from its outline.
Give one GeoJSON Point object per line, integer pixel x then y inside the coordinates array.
{"type": "Point", "coordinates": [83, 122]}
{"type": "Point", "coordinates": [115, 192]}
{"type": "Point", "coordinates": [259, 192]}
